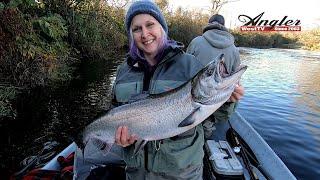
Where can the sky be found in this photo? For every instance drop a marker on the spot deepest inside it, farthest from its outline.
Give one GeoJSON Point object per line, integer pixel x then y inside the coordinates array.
{"type": "Point", "coordinates": [307, 11]}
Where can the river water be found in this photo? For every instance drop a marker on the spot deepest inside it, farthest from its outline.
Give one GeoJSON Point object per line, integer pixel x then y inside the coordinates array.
{"type": "Point", "coordinates": [282, 102]}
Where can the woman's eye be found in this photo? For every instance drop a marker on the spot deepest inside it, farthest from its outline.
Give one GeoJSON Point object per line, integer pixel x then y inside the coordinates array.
{"type": "Point", "coordinates": [136, 29]}
{"type": "Point", "coordinates": [150, 24]}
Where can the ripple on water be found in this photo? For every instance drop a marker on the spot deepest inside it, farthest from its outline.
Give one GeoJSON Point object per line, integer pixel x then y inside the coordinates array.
{"type": "Point", "coordinates": [282, 102]}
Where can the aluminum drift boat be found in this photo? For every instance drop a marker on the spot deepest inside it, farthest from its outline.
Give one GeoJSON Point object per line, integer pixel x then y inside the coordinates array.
{"type": "Point", "coordinates": [235, 151]}
{"type": "Point", "coordinates": [257, 159]}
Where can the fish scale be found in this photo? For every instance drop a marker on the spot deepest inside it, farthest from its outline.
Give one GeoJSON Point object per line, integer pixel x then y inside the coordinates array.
{"type": "Point", "coordinates": [170, 113]}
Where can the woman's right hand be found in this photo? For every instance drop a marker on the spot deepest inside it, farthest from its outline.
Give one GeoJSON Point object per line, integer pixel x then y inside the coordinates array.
{"type": "Point", "coordinates": [123, 138]}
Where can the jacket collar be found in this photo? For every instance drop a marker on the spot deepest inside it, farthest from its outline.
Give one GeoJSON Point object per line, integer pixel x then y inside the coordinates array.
{"type": "Point", "coordinates": [214, 25]}
{"type": "Point", "coordinates": [141, 64]}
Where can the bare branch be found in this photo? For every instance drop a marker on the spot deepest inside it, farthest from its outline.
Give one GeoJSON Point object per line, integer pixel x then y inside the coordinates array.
{"type": "Point", "coordinates": [217, 5]}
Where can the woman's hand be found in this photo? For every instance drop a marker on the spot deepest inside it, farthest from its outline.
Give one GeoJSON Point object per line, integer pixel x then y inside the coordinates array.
{"type": "Point", "coordinates": [237, 93]}
{"type": "Point", "coordinates": [123, 138]}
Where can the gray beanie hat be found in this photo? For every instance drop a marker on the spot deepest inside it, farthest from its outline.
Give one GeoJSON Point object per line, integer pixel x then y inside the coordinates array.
{"type": "Point", "coordinates": [217, 18]}
{"type": "Point", "coordinates": [145, 7]}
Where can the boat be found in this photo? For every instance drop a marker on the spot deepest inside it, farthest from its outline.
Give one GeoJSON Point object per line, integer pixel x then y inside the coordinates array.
{"type": "Point", "coordinates": [235, 151]}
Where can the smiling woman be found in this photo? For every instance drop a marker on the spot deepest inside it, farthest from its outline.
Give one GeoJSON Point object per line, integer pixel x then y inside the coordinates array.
{"type": "Point", "coordinates": [155, 64]}
{"type": "Point", "coordinates": [148, 35]}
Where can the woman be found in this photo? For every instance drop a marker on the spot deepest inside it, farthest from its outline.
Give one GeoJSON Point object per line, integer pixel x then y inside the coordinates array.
{"type": "Point", "coordinates": [155, 65]}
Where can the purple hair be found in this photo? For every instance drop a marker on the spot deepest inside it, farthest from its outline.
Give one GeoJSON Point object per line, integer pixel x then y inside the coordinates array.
{"type": "Point", "coordinates": [136, 53]}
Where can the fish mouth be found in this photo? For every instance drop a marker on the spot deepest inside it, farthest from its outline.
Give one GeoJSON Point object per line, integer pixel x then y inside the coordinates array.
{"type": "Point", "coordinates": [223, 72]}
{"type": "Point", "coordinates": [222, 69]}
{"type": "Point", "coordinates": [233, 77]}
{"type": "Point", "coordinates": [223, 87]}
{"type": "Point", "coordinates": [239, 69]}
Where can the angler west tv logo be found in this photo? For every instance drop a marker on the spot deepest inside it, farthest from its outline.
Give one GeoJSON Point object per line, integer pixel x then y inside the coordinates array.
{"type": "Point", "coordinates": [259, 24]}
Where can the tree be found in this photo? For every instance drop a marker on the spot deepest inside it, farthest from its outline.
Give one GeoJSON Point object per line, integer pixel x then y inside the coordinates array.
{"type": "Point", "coordinates": [118, 3]}
{"type": "Point", "coordinates": [163, 4]}
{"type": "Point", "coordinates": [217, 5]}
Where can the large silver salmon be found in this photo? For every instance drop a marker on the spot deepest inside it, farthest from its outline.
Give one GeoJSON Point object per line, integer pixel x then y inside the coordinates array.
{"type": "Point", "coordinates": [168, 114]}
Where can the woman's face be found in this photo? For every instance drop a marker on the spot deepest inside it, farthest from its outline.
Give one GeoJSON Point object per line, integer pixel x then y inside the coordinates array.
{"type": "Point", "coordinates": [147, 34]}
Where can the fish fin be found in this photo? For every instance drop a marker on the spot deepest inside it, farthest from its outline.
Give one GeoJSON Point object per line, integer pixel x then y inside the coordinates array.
{"type": "Point", "coordinates": [137, 97]}
{"type": "Point", "coordinates": [190, 119]}
{"type": "Point", "coordinates": [138, 146]}
{"type": "Point", "coordinates": [102, 145]}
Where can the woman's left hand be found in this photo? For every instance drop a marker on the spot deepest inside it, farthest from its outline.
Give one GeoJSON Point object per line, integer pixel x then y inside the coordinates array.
{"type": "Point", "coordinates": [123, 138]}
{"type": "Point", "coordinates": [237, 93]}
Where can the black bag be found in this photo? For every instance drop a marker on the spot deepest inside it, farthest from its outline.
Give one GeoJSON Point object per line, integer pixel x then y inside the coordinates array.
{"type": "Point", "coordinates": [108, 172]}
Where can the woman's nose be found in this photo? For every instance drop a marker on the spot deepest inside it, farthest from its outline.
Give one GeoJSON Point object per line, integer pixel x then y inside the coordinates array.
{"type": "Point", "coordinates": [144, 32]}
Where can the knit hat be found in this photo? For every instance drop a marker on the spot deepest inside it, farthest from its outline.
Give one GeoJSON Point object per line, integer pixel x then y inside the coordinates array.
{"type": "Point", "coordinates": [217, 18]}
{"type": "Point", "coordinates": [145, 7]}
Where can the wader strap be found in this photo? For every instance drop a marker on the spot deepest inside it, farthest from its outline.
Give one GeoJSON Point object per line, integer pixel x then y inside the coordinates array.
{"type": "Point", "coordinates": [146, 157]}
{"type": "Point", "coordinates": [157, 144]}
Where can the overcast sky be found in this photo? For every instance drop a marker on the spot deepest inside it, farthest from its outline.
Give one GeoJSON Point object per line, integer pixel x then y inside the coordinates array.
{"type": "Point", "coordinates": [308, 12]}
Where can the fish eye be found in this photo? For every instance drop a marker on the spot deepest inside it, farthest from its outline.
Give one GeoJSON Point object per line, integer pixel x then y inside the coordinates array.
{"type": "Point", "coordinates": [209, 72]}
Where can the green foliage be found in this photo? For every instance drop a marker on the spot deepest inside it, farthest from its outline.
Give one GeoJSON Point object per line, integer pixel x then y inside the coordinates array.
{"type": "Point", "coordinates": [62, 7]}
{"type": "Point", "coordinates": [32, 48]}
{"type": "Point", "coordinates": [14, 3]}
{"type": "Point", "coordinates": [185, 25]}
{"type": "Point", "coordinates": [2, 6]}
{"type": "Point", "coordinates": [23, 5]}
{"type": "Point", "coordinates": [97, 31]}
{"type": "Point", "coordinates": [7, 94]}
{"type": "Point", "coordinates": [52, 28]}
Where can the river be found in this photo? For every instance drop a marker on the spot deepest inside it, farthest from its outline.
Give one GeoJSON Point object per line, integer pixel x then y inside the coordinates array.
{"type": "Point", "coordinates": [282, 102]}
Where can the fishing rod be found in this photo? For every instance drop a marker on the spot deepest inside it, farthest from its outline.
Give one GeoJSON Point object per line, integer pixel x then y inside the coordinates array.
{"type": "Point", "coordinates": [243, 154]}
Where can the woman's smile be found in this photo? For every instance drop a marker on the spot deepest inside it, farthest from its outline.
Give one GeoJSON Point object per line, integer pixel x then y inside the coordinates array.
{"type": "Point", "coordinates": [148, 42]}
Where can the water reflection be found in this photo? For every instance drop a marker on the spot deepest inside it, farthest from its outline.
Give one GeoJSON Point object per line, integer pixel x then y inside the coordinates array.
{"type": "Point", "coordinates": [282, 102]}
{"type": "Point", "coordinates": [308, 80]}
{"type": "Point", "coordinates": [55, 114]}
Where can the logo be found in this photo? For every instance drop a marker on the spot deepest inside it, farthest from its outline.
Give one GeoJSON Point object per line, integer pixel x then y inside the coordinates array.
{"type": "Point", "coordinates": [259, 24]}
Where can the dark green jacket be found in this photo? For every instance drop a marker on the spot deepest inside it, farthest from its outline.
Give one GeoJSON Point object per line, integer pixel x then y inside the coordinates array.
{"type": "Point", "coordinates": [173, 70]}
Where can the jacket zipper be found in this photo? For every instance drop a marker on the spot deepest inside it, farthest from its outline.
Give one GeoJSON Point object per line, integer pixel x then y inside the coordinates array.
{"type": "Point", "coordinates": [151, 85]}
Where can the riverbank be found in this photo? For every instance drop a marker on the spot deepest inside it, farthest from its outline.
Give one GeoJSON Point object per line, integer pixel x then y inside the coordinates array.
{"type": "Point", "coordinates": [42, 43]}
{"type": "Point", "coordinates": [306, 40]}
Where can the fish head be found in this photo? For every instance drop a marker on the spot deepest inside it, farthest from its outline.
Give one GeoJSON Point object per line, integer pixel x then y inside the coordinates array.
{"type": "Point", "coordinates": [214, 84]}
